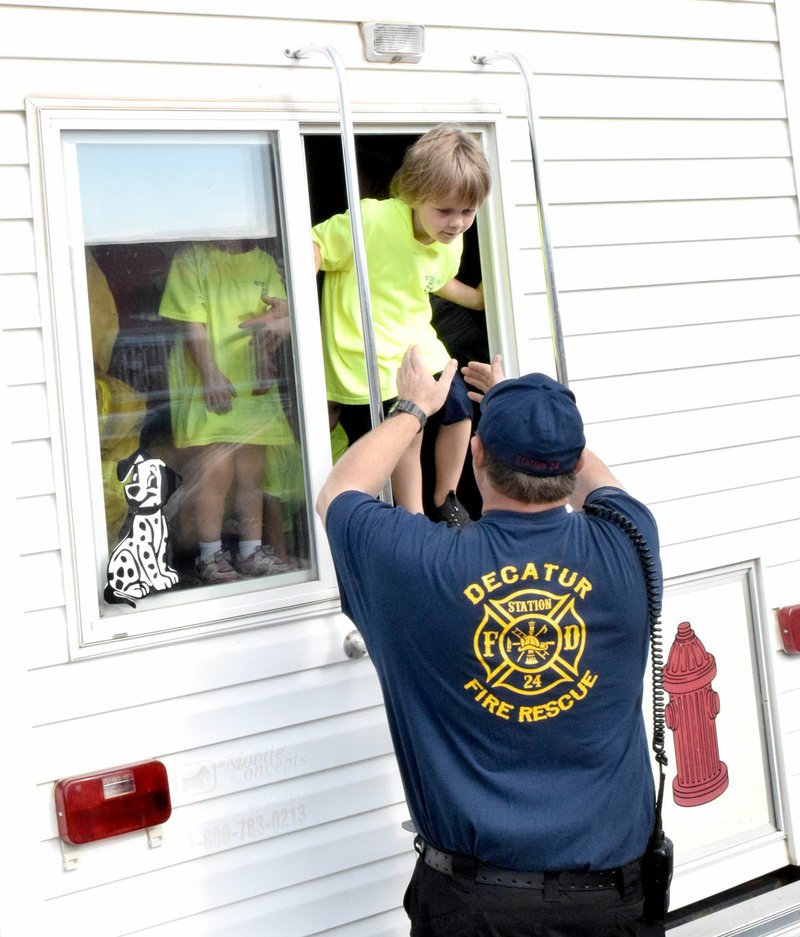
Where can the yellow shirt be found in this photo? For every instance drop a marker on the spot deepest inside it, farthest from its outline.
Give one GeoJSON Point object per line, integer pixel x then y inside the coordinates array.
{"type": "Point", "coordinates": [220, 290]}
{"type": "Point", "coordinates": [402, 274]}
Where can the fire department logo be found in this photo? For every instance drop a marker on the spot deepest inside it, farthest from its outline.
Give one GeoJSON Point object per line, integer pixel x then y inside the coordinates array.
{"type": "Point", "coordinates": [531, 641]}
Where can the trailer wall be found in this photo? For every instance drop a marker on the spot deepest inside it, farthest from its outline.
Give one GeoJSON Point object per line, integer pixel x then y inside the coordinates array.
{"type": "Point", "coordinates": [672, 192]}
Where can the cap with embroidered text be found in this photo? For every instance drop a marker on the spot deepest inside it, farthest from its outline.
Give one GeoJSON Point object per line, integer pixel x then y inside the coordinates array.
{"type": "Point", "coordinates": [532, 424]}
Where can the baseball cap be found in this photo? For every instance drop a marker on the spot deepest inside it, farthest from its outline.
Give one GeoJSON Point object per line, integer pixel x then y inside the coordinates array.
{"type": "Point", "coordinates": [532, 424]}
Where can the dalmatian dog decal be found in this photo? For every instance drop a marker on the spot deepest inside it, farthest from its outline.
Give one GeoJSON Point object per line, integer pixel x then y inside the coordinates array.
{"type": "Point", "coordinates": [140, 561]}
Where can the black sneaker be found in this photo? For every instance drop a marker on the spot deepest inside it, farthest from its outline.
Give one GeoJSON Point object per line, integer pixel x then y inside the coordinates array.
{"type": "Point", "coordinates": [453, 512]}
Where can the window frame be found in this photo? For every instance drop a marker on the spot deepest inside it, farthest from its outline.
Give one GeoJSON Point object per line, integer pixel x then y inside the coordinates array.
{"type": "Point", "coordinates": [162, 617]}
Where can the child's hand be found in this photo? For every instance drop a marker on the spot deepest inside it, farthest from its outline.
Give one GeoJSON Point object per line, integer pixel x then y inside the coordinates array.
{"type": "Point", "coordinates": [483, 376]}
{"type": "Point", "coordinates": [276, 317]}
{"type": "Point", "coordinates": [218, 392]}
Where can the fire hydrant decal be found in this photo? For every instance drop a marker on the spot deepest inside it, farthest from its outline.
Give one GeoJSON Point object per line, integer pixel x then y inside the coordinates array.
{"type": "Point", "coordinates": [690, 714]}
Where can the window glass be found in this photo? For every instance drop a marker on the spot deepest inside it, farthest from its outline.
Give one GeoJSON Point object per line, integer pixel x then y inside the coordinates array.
{"type": "Point", "coordinates": [201, 444]}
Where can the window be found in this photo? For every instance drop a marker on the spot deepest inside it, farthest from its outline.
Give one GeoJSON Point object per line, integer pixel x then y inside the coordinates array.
{"type": "Point", "coordinates": [463, 332]}
{"type": "Point", "coordinates": [202, 421]}
{"type": "Point", "coordinates": [174, 238]}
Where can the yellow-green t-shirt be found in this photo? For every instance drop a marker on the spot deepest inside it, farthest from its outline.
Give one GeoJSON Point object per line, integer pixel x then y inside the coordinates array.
{"type": "Point", "coordinates": [221, 290]}
{"type": "Point", "coordinates": [402, 274]}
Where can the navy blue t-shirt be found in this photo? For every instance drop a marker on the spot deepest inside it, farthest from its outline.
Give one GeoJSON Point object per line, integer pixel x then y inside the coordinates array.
{"type": "Point", "coordinates": [511, 655]}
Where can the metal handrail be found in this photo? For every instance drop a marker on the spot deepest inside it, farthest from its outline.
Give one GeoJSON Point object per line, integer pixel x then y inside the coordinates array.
{"type": "Point", "coordinates": [356, 227]}
{"type": "Point", "coordinates": [541, 209]}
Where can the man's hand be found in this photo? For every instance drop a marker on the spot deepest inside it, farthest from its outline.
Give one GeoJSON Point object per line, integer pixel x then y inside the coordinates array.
{"type": "Point", "coordinates": [372, 459]}
{"type": "Point", "coordinates": [483, 376]}
{"type": "Point", "coordinates": [415, 382]}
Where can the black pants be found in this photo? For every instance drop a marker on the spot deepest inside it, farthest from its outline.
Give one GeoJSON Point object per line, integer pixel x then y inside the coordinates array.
{"type": "Point", "coordinates": [440, 905]}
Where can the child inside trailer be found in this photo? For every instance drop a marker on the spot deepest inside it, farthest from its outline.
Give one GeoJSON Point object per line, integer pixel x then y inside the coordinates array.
{"type": "Point", "coordinates": [413, 242]}
{"type": "Point", "coordinates": [225, 422]}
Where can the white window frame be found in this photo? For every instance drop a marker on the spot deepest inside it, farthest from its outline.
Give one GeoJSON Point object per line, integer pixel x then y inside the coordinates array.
{"type": "Point", "coordinates": [164, 616]}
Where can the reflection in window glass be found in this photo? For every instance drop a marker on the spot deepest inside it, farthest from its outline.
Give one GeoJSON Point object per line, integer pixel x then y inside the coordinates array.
{"type": "Point", "coordinates": [193, 352]}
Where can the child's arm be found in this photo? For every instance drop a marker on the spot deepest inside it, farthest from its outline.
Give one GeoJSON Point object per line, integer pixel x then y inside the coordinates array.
{"type": "Point", "coordinates": [217, 389]}
{"type": "Point", "coordinates": [275, 319]}
{"type": "Point", "coordinates": [455, 291]}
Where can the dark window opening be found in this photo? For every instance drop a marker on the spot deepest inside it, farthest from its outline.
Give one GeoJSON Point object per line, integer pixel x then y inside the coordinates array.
{"type": "Point", "coordinates": [462, 331]}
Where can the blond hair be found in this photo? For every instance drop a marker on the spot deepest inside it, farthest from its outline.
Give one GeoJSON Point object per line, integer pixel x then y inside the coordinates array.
{"type": "Point", "coordinates": [445, 160]}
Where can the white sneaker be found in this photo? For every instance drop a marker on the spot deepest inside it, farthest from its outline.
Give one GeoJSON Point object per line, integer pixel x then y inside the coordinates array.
{"type": "Point", "coordinates": [216, 569]}
{"type": "Point", "coordinates": [262, 562]}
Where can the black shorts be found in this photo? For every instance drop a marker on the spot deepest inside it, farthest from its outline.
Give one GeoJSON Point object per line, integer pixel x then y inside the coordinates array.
{"type": "Point", "coordinates": [356, 419]}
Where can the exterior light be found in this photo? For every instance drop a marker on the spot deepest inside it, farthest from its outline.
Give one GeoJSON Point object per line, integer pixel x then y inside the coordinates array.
{"type": "Point", "coordinates": [107, 803]}
{"type": "Point", "coordinates": [789, 623]}
{"type": "Point", "coordinates": [393, 42]}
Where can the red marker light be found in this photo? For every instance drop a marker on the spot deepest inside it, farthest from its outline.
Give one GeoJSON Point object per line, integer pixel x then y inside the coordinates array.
{"type": "Point", "coordinates": [109, 803]}
{"type": "Point", "coordinates": [789, 623]}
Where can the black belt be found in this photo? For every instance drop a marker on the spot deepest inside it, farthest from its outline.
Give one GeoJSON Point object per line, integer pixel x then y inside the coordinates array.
{"type": "Point", "coordinates": [485, 874]}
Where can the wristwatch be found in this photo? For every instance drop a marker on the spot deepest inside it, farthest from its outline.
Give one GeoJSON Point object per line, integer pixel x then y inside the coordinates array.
{"type": "Point", "coordinates": [408, 406]}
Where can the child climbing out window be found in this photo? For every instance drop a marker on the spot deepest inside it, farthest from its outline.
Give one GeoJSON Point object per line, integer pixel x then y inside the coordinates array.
{"type": "Point", "coordinates": [413, 242]}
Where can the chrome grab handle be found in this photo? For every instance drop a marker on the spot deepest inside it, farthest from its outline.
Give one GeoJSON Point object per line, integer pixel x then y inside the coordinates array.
{"type": "Point", "coordinates": [541, 209]}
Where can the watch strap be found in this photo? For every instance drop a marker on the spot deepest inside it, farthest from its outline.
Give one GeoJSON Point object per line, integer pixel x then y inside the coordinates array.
{"type": "Point", "coordinates": [408, 406]}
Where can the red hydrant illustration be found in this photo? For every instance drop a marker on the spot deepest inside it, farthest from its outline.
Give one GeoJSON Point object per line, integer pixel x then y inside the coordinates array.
{"type": "Point", "coordinates": [690, 714]}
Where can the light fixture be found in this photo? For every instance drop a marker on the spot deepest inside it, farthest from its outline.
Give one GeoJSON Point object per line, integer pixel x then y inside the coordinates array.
{"type": "Point", "coordinates": [107, 803]}
{"type": "Point", "coordinates": [393, 42]}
